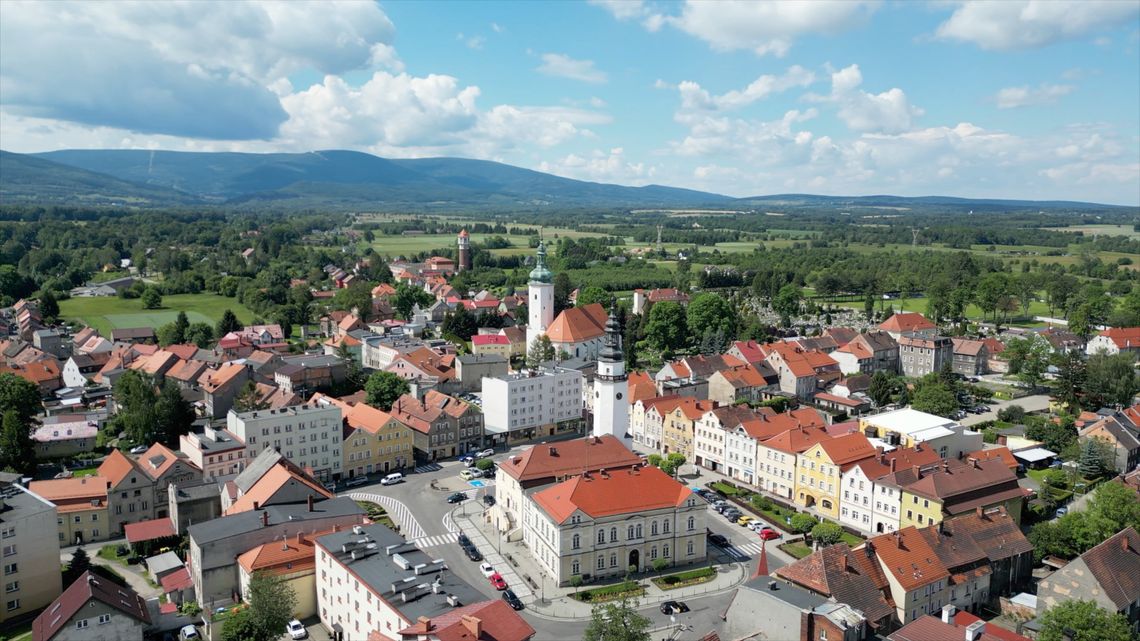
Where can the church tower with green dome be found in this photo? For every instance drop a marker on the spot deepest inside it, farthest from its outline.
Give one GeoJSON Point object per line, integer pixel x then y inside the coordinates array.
{"type": "Point", "coordinates": [540, 298]}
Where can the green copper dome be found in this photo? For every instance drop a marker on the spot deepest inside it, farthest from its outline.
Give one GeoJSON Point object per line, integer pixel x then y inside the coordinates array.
{"type": "Point", "coordinates": [540, 274]}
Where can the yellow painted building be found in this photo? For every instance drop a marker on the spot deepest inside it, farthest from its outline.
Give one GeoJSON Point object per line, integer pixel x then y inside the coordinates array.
{"type": "Point", "coordinates": [678, 426]}
{"type": "Point", "coordinates": [960, 487]}
{"type": "Point", "coordinates": [375, 442]}
{"type": "Point", "coordinates": [820, 468]}
{"type": "Point", "coordinates": [919, 511]}
{"type": "Point", "coordinates": [81, 504]}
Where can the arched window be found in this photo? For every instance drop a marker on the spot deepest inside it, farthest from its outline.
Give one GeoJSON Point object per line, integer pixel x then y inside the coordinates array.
{"type": "Point", "coordinates": [692, 523]}
{"type": "Point", "coordinates": [653, 528]}
{"type": "Point", "coordinates": [613, 534]}
{"type": "Point", "coordinates": [639, 530]}
{"type": "Point", "coordinates": [577, 543]}
{"type": "Point", "coordinates": [601, 536]}
{"type": "Point", "coordinates": [629, 533]}
{"type": "Point", "coordinates": [666, 526]}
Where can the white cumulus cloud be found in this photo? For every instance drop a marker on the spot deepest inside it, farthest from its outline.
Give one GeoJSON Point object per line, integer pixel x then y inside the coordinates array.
{"type": "Point", "coordinates": [1024, 96]}
{"type": "Point", "coordinates": [1009, 25]}
{"type": "Point", "coordinates": [563, 66]}
{"type": "Point", "coordinates": [601, 166]}
{"type": "Point", "coordinates": [767, 27]}
{"type": "Point", "coordinates": [887, 112]}
{"type": "Point", "coordinates": [694, 97]}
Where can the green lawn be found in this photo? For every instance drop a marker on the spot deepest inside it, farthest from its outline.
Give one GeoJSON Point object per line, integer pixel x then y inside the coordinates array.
{"type": "Point", "coordinates": [105, 313]}
{"type": "Point", "coordinates": [22, 632]}
{"type": "Point", "coordinates": [797, 549]}
{"type": "Point", "coordinates": [1104, 230]}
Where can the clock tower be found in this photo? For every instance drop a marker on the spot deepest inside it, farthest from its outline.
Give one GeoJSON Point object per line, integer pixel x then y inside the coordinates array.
{"type": "Point", "coordinates": [611, 407]}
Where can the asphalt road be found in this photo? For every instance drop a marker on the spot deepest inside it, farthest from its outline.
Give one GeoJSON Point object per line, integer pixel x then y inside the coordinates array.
{"type": "Point", "coordinates": [430, 510]}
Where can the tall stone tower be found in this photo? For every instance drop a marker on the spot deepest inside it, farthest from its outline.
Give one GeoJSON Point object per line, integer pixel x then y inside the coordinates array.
{"type": "Point", "coordinates": [611, 408]}
{"type": "Point", "coordinates": [540, 298]}
{"type": "Point", "coordinates": [464, 250]}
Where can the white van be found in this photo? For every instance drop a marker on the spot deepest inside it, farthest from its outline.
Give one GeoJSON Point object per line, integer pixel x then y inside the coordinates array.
{"type": "Point", "coordinates": [392, 479]}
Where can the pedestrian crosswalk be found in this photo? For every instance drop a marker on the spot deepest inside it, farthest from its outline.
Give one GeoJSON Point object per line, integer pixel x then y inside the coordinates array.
{"type": "Point", "coordinates": [399, 513]}
{"type": "Point", "coordinates": [742, 552]}
{"type": "Point", "coordinates": [437, 540]}
{"type": "Point", "coordinates": [428, 467]}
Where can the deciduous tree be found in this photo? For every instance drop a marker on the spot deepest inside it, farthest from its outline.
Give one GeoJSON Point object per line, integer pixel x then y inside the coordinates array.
{"type": "Point", "coordinates": [1083, 621]}
{"type": "Point", "coordinates": [618, 621]}
{"type": "Point", "coordinates": [19, 395]}
{"type": "Point", "coordinates": [16, 449]}
{"type": "Point", "coordinates": [1110, 380]}
{"type": "Point", "coordinates": [539, 352]}
{"type": "Point", "coordinates": [383, 388]}
{"type": "Point", "coordinates": [666, 328]}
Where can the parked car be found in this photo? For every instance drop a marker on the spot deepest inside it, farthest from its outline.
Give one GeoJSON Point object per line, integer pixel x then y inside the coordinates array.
{"type": "Point", "coordinates": [458, 497]}
{"type": "Point", "coordinates": [467, 458]}
{"type": "Point", "coordinates": [356, 481]}
{"type": "Point", "coordinates": [473, 553]}
{"type": "Point", "coordinates": [718, 539]}
{"type": "Point", "coordinates": [487, 569]}
{"type": "Point", "coordinates": [392, 479]}
{"type": "Point", "coordinates": [139, 449]}
{"type": "Point", "coordinates": [467, 475]}
{"type": "Point", "coordinates": [464, 541]}
{"type": "Point", "coordinates": [329, 485]}
{"type": "Point", "coordinates": [674, 607]}
{"type": "Point", "coordinates": [296, 630]}
{"type": "Point", "coordinates": [498, 582]}
{"type": "Point", "coordinates": [488, 500]}
{"type": "Point", "coordinates": [512, 599]}
{"type": "Point", "coordinates": [767, 534]}
{"type": "Point", "coordinates": [188, 632]}
{"type": "Point", "coordinates": [487, 453]}
{"type": "Point", "coordinates": [744, 520]}
{"type": "Point", "coordinates": [1061, 511]}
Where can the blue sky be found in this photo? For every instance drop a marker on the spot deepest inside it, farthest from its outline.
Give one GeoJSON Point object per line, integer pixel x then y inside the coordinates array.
{"type": "Point", "coordinates": [1013, 99]}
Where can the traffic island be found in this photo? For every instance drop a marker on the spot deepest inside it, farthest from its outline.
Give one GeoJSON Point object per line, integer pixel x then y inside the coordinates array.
{"type": "Point", "coordinates": [685, 579]}
{"type": "Point", "coordinates": [630, 589]}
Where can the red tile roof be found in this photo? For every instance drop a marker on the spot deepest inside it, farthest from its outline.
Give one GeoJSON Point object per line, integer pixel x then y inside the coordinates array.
{"type": "Point", "coordinates": [906, 322]}
{"type": "Point", "coordinates": [848, 448]}
{"type": "Point", "coordinates": [578, 324]}
{"type": "Point", "coordinates": [802, 363]}
{"type": "Point", "coordinates": [618, 492]}
{"type": "Point", "coordinates": [148, 530]}
{"type": "Point", "coordinates": [1123, 337]}
{"type": "Point", "coordinates": [483, 621]}
{"type": "Point", "coordinates": [751, 351]}
{"type": "Point", "coordinates": [38, 372]}
{"type": "Point", "coordinates": [909, 558]}
{"type": "Point", "coordinates": [276, 557]}
{"type": "Point", "coordinates": [276, 478]}
{"type": "Point", "coordinates": [116, 467]}
{"type": "Point", "coordinates": [641, 387]}
{"type": "Point", "coordinates": [420, 415]}
{"type": "Point", "coordinates": [489, 339]}
{"type": "Point", "coordinates": [931, 628]}
{"type": "Point", "coordinates": [1001, 453]}
{"type": "Point", "coordinates": [796, 440]}
{"type": "Point", "coordinates": [564, 458]}
{"type": "Point", "coordinates": [176, 581]}
{"type": "Point", "coordinates": [1116, 566]}
{"type": "Point", "coordinates": [845, 574]}
{"type": "Point", "coordinates": [157, 460]}
{"type": "Point", "coordinates": [87, 587]}
{"type": "Point", "coordinates": [223, 376]}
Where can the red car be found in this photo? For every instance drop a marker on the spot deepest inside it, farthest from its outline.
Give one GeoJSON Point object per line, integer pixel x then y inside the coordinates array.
{"type": "Point", "coordinates": [768, 534]}
{"type": "Point", "coordinates": [498, 582]}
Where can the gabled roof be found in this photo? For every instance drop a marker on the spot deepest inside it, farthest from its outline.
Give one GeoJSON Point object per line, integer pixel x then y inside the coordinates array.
{"type": "Point", "coordinates": [80, 491]}
{"type": "Point", "coordinates": [38, 372]}
{"type": "Point", "coordinates": [420, 415]}
{"type": "Point", "coordinates": [751, 351]}
{"type": "Point", "coordinates": [564, 458]}
{"type": "Point", "coordinates": [87, 587]}
{"type": "Point", "coordinates": [294, 554]}
{"type": "Point", "coordinates": [1123, 337]}
{"type": "Point", "coordinates": [932, 628]}
{"type": "Point", "coordinates": [1001, 453]}
{"type": "Point", "coordinates": [1126, 438]}
{"type": "Point", "coordinates": [956, 479]}
{"type": "Point", "coordinates": [365, 417]}
{"type": "Point", "coordinates": [629, 491]}
{"type": "Point", "coordinates": [214, 380]}
{"type": "Point", "coordinates": [848, 448]}
{"type": "Point", "coordinates": [841, 335]}
{"type": "Point", "coordinates": [490, 339]}
{"type": "Point", "coordinates": [641, 387]}
{"type": "Point", "coordinates": [802, 363]}
{"type": "Point", "coordinates": [906, 322]}
{"type": "Point", "coordinates": [117, 466]}
{"type": "Point", "coordinates": [743, 376]}
{"type": "Point", "coordinates": [796, 440]}
{"type": "Point", "coordinates": [279, 477]}
{"type": "Point", "coordinates": [578, 324]}
{"type": "Point", "coordinates": [966, 347]}
{"type": "Point", "coordinates": [157, 460]}
{"type": "Point", "coordinates": [909, 558]}
{"type": "Point", "coordinates": [1116, 566]}
{"type": "Point", "coordinates": [842, 573]}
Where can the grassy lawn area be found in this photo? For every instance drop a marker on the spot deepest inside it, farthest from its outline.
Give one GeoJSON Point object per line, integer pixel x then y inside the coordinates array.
{"type": "Point", "coordinates": [610, 592]}
{"type": "Point", "coordinates": [111, 553]}
{"type": "Point", "coordinates": [685, 579]}
{"type": "Point", "coordinates": [377, 513]}
{"type": "Point", "coordinates": [105, 313]}
{"type": "Point", "coordinates": [797, 550]}
{"type": "Point", "coordinates": [84, 471]}
{"type": "Point", "coordinates": [850, 539]}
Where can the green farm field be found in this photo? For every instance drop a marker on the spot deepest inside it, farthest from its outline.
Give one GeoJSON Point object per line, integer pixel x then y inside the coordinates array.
{"type": "Point", "coordinates": [1104, 230]}
{"type": "Point", "coordinates": [107, 313]}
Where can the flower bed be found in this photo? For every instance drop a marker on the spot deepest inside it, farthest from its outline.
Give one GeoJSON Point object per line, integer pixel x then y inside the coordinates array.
{"type": "Point", "coordinates": [610, 592]}
{"type": "Point", "coordinates": [685, 579]}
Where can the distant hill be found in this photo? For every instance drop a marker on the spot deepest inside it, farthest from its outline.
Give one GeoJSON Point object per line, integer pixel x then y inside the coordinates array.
{"type": "Point", "coordinates": [350, 180]}
{"type": "Point", "coordinates": [349, 177]}
{"type": "Point", "coordinates": [28, 179]}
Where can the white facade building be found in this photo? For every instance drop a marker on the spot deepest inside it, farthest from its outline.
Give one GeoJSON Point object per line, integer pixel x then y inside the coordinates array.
{"type": "Point", "coordinates": [601, 524]}
{"type": "Point", "coordinates": [307, 435]}
{"type": "Point", "coordinates": [908, 428]}
{"type": "Point", "coordinates": [858, 495]}
{"type": "Point", "coordinates": [611, 408]}
{"type": "Point", "coordinates": [540, 298]}
{"type": "Point", "coordinates": [522, 404]}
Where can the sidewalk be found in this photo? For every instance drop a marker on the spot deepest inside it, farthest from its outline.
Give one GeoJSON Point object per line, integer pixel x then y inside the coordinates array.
{"type": "Point", "coordinates": [554, 602]}
{"type": "Point", "coordinates": [130, 574]}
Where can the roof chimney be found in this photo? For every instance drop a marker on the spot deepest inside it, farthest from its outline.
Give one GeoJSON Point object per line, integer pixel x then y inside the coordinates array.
{"type": "Point", "coordinates": [975, 630]}
{"type": "Point", "coordinates": [869, 550]}
{"type": "Point", "coordinates": [474, 625]}
{"type": "Point", "coordinates": [948, 612]}
{"type": "Point", "coordinates": [425, 621]}
{"type": "Point", "coordinates": [893, 462]}
{"type": "Point", "coordinates": [256, 506]}
{"type": "Point", "coordinates": [265, 519]}
{"type": "Point", "coordinates": [309, 503]}
{"type": "Point", "coordinates": [553, 451]}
